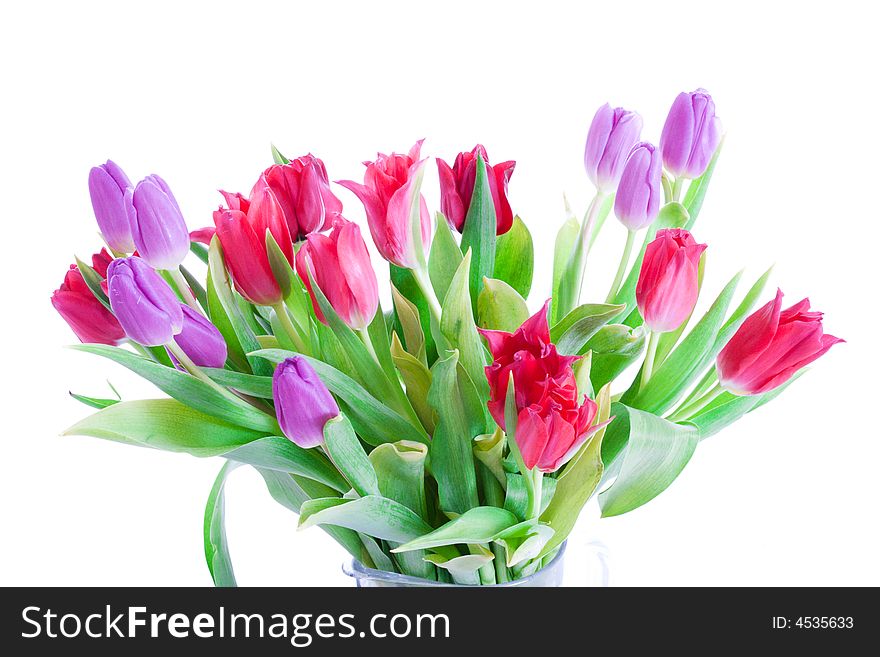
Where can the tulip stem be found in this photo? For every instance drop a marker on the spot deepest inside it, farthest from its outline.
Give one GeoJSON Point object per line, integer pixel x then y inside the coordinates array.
{"type": "Point", "coordinates": [535, 493]}
{"type": "Point", "coordinates": [650, 354]}
{"type": "Point", "coordinates": [667, 188]}
{"type": "Point", "coordinates": [424, 282]}
{"type": "Point", "coordinates": [192, 368]}
{"type": "Point", "coordinates": [677, 187]}
{"type": "Point", "coordinates": [696, 406]}
{"type": "Point", "coordinates": [621, 268]}
{"type": "Point", "coordinates": [183, 290]}
{"type": "Point", "coordinates": [281, 311]}
{"type": "Point", "coordinates": [368, 343]}
{"type": "Point", "coordinates": [583, 246]}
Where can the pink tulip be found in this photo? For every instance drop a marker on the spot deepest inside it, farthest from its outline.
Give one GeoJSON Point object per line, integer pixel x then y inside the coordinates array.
{"type": "Point", "coordinates": [771, 346]}
{"type": "Point", "coordinates": [340, 265]}
{"type": "Point", "coordinates": [668, 284]}
{"type": "Point", "coordinates": [387, 195]}
{"type": "Point", "coordinates": [303, 192]}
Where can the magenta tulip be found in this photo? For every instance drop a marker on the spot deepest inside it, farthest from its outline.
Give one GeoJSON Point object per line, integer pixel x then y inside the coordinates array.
{"type": "Point", "coordinates": [302, 402]}
{"type": "Point", "coordinates": [303, 192]}
{"type": "Point", "coordinates": [457, 188]}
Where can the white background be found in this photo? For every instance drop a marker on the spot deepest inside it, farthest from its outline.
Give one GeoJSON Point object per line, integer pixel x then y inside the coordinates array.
{"type": "Point", "coordinates": [197, 92]}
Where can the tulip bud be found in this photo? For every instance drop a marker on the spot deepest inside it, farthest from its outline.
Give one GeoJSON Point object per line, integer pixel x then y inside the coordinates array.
{"type": "Point", "coordinates": [303, 192]}
{"type": "Point", "coordinates": [157, 225]}
{"type": "Point", "coordinates": [457, 188]}
{"type": "Point", "coordinates": [340, 265]}
{"type": "Point", "coordinates": [241, 230]}
{"type": "Point", "coordinates": [387, 194]}
{"type": "Point", "coordinates": [112, 196]}
{"type": "Point", "coordinates": [200, 339]}
{"type": "Point", "coordinates": [612, 135]}
{"type": "Point", "coordinates": [771, 346]}
{"type": "Point", "coordinates": [637, 201]}
{"type": "Point", "coordinates": [144, 304]}
{"type": "Point", "coordinates": [668, 284]}
{"type": "Point", "coordinates": [78, 306]}
{"type": "Point", "coordinates": [690, 135]}
{"type": "Point", "coordinates": [302, 402]}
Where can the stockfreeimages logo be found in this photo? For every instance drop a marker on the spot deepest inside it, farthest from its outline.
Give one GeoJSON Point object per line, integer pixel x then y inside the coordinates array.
{"type": "Point", "coordinates": [299, 629]}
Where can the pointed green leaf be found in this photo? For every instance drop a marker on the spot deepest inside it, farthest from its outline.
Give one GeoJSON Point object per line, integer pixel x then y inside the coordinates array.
{"type": "Point", "coordinates": [572, 332]}
{"type": "Point", "coordinates": [375, 516]}
{"type": "Point", "coordinates": [345, 451]}
{"type": "Point", "coordinates": [515, 258]}
{"type": "Point", "coordinates": [465, 569]}
{"type": "Point", "coordinates": [444, 259]}
{"type": "Point", "coordinates": [500, 307]}
{"type": "Point", "coordinates": [479, 525]}
{"type": "Point", "coordinates": [563, 270]}
{"type": "Point", "coordinates": [417, 379]}
{"type": "Point", "coordinates": [410, 322]}
{"type": "Point", "coordinates": [614, 347]}
{"type": "Point", "coordinates": [478, 235]}
{"type": "Point", "coordinates": [278, 157]}
{"type": "Point", "coordinates": [216, 546]}
{"type": "Point", "coordinates": [278, 453]}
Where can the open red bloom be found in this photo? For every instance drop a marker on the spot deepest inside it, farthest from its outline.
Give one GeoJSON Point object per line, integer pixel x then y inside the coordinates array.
{"type": "Point", "coordinates": [551, 425]}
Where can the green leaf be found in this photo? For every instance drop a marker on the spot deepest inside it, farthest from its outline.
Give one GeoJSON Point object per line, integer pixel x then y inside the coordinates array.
{"type": "Point", "coordinates": [515, 258]}
{"type": "Point", "coordinates": [164, 424]}
{"type": "Point", "coordinates": [216, 547]}
{"type": "Point", "coordinates": [410, 322]}
{"type": "Point", "coordinates": [93, 281]}
{"type": "Point", "coordinates": [578, 481]}
{"type": "Point", "coordinates": [614, 348]}
{"type": "Point", "coordinates": [417, 379]}
{"type": "Point", "coordinates": [500, 307]}
{"type": "Point", "coordinates": [200, 251]}
{"type": "Point", "coordinates": [278, 157]}
{"type": "Point", "coordinates": [478, 235]}
{"type": "Point", "coordinates": [444, 259]}
{"type": "Point", "coordinates": [687, 361]}
{"type": "Point", "coordinates": [489, 450]}
{"type": "Point", "coordinates": [188, 389]}
{"type": "Point", "coordinates": [249, 384]}
{"type": "Point", "coordinates": [516, 499]}
{"type": "Point", "coordinates": [465, 568]}
{"type": "Point", "coordinates": [520, 549]}
{"type": "Point", "coordinates": [345, 451]}
{"type": "Point", "coordinates": [374, 422]}
{"type": "Point", "coordinates": [563, 274]}
{"type": "Point", "coordinates": [283, 455]}
{"type": "Point", "coordinates": [405, 283]}
{"type": "Point", "coordinates": [97, 402]}
{"type": "Point", "coordinates": [572, 332]}
{"type": "Point", "coordinates": [693, 199]}
{"type": "Point", "coordinates": [479, 525]}
{"type": "Point", "coordinates": [375, 516]}
{"type": "Point", "coordinates": [461, 416]}
{"type": "Point", "coordinates": [198, 290]}
{"type": "Point", "coordinates": [281, 269]}
{"type": "Point", "coordinates": [650, 453]}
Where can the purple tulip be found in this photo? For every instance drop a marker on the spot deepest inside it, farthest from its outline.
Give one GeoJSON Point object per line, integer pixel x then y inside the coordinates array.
{"type": "Point", "coordinates": [144, 304]}
{"type": "Point", "coordinates": [200, 339]}
{"type": "Point", "coordinates": [638, 195]}
{"type": "Point", "coordinates": [157, 225]}
{"type": "Point", "coordinates": [111, 193]}
{"type": "Point", "coordinates": [690, 135]}
{"type": "Point", "coordinates": [612, 135]}
{"type": "Point", "coordinates": [302, 402]}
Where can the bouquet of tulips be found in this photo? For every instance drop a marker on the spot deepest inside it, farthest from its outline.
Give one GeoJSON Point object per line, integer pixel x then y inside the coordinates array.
{"type": "Point", "coordinates": [455, 436]}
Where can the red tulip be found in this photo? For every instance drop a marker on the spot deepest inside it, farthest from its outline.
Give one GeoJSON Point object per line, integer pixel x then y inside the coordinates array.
{"type": "Point", "coordinates": [340, 264]}
{"type": "Point", "coordinates": [242, 232]}
{"type": "Point", "coordinates": [668, 284]}
{"type": "Point", "coordinates": [457, 188]}
{"type": "Point", "coordinates": [387, 194]}
{"type": "Point", "coordinates": [771, 346]}
{"type": "Point", "coordinates": [551, 425]}
{"type": "Point", "coordinates": [303, 191]}
{"type": "Point", "coordinates": [75, 302]}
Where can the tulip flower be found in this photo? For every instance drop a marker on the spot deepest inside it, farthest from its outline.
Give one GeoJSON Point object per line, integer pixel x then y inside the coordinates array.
{"type": "Point", "coordinates": [112, 200]}
{"type": "Point", "coordinates": [637, 201]}
{"type": "Point", "coordinates": [78, 306]}
{"type": "Point", "coordinates": [340, 265]}
{"type": "Point", "coordinates": [771, 346]}
{"type": "Point", "coordinates": [303, 192]}
{"type": "Point", "coordinates": [157, 225]}
{"type": "Point", "coordinates": [241, 230]}
{"type": "Point", "coordinates": [457, 188]}
{"type": "Point", "coordinates": [551, 424]}
{"type": "Point", "coordinates": [302, 402]}
{"type": "Point", "coordinates": [612, 135]}
{"type": "Point", "coordinates": [387, 194]}
{"type": "Point", "coordinates": [690, 135]}
{"type": "Point", "coordinates": [668, 285]}
{"type": "Point", "coordinates": [200, 339]}
{"type": "Point", "coordinates": [144, 304]}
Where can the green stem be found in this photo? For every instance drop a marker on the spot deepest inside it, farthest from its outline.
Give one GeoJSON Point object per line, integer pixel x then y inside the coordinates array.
{"type": "Point", "coordinates": [184, 291]}
{"type": "Point", "coordinates": [583, 244]}
{"type": "Point", "coordinates": [194, 369]}
{"type": "Point", "coordinates": [676, 189]}
{"type": "Point", "coordinates": [536, 493]}
{"type": "Point", "coordinates": [368, 343]}
{"type": "Point", "coordinates": [650, 354]}
{"type": "Point", "coordinates": [424, 282]}
{"type": "Point", "coordinates": [696, 406]}
{"type": "Point", "coordinates": [281, 311]}
{"type": "Point", "coordinates": [667, 188]}
{"type": "Point", "coordinates": [621, 267]}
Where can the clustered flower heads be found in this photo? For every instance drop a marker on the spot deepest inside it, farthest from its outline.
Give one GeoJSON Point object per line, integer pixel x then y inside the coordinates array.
{"type": "Point", "coordinates": [284, 359]}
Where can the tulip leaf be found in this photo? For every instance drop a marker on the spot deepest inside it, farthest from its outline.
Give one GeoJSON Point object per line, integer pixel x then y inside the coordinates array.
{"type": "Point", "coordinates": [482, 524]}
{"type": "Point", "coordinates": [249, 384]}
{"type": "Point", "coordinates": [345, 451]}
{"type": "Point", "coordinates": [164, 424]}
{"type": "Point", "coordinates": [460, 412]}
{"type": "Point", "coordinates": [578, 481]}
{"type": "Point", "coordinates": [478, 235]}
{"type": "Point", "coordinates": [515, 258]}
{"type": "Point", "coordinates": [197, 288]}
{"type": "Point", "coordinates": [457, 326]}
{"type": "Point", "coordinates": [520, 549]}
{"type": "Point", "coordinates": [373, 515]}
{"type": "Point", "coordinates": [564, 270]}
{"type": "Point", "coordinates": [216, 547]}
{"type": "Point", "coordinates": [489, 450]}
{"type": "Point", "coordinates": [500, 307]}
{"type": "Point", "coordinates": [516, 499]}
{"type": "Point", "coordinates": [279, 453]}
{"type": "Point", "coordinates": [687, 361]}
{"type": "Point", "coordinates": [647, 453]}
{"type": "Point", "coordinates": [188, 389]}
{"type": "Point", "coordinates": [277, 157]}
{"type": "Point", "coordinates": [97, 402]}
{"type": "Point", "coordinates": [444, 259]}
{"type": "Point", "coordinates": [465, 569]}
{"type": "Point", "coordinates": [574, 330]}
{"type": "Point", "coordinates": [380, 339]}
{"type": "Point", "coordinates": [696, 192]}
{"type": "Point", "coordinates": [410, 323]}
{"type": "Point", "coordinates": [200, 251]}
{"type": "Point", "coordinates": [405, 283]}
{"type": "Point", "coordinates": [614, 347]}
{"type": "Point", "coordinates": [374, 422]}
{"type": "Point", "coordinates": [417, 379]}
{"type": "Point", "coordinates": [93, 281]}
